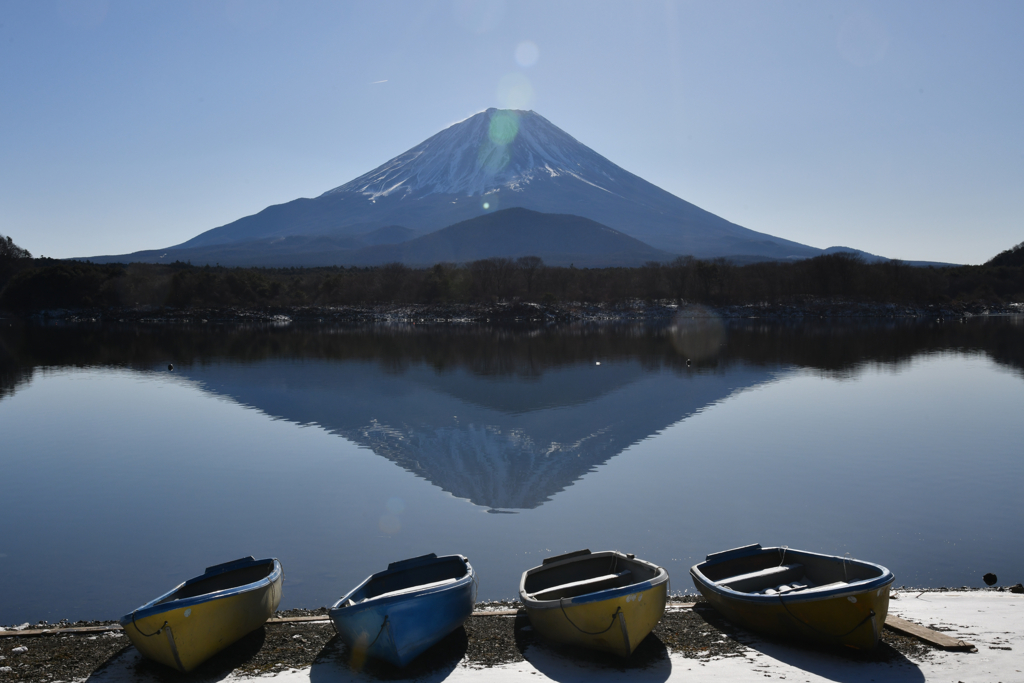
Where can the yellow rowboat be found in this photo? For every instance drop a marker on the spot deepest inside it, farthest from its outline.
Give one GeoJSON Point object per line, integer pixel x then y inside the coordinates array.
{"type": "Point", "coordinates": [191, 623]}
{"type": "Point", "coordinates": [798, 594]}
{"type": "Point", "coordinates": [603, 601]}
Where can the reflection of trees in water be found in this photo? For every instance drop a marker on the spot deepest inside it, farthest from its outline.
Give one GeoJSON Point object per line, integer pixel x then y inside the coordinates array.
{"type": "Point", "coordinates": [837, 347]}
{"type": "Point", "coordinates": [13, 375]}
{"type": "Point", "coordinates": [13, 378]}
{"type": "Point", "coordinates": [843, 347]}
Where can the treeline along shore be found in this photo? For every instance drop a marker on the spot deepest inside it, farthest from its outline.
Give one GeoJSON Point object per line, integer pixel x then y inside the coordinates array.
{"type": "Point", "coordinates": [30, 285]}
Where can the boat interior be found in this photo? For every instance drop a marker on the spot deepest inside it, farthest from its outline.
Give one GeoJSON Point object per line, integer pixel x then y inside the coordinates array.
{"type": "Point", "coordinates": [408, 576]}
{"type": "Point", "coordinates": [779, 571]}
{"type": "Point", "coordinates": [222, 577]}
{"type": "Point", "coordinates": [589, 573]}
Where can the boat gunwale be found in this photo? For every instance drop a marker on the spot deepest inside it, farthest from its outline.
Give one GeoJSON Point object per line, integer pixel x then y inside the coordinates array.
{"type": "Point", "coordinates": [155, 606]}
{"type": "Point", "coordinates": [660, 577]}
{"type": "Point", "coordinates": [863, 586]}
{"type": "Point", "coordinates": [379, 601]}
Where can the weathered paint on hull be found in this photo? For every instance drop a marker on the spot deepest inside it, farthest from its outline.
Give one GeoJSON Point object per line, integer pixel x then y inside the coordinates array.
{"type": "Point", "coordinates": [413, 623]}
{"type": "Point", "coordinates": [617, 624]}
{"type": "Point", "coordinates": [853, 619]}
{"type": "Point", "coordinates": [785, 592]}
{"type": "Point", "coordinates": [185, 637]}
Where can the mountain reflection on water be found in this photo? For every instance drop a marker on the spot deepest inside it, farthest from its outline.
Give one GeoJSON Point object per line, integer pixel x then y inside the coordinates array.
{"type": "Point", "coordinates": [503, 417]}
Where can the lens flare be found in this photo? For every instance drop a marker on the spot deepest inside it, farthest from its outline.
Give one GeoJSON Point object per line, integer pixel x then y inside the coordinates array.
{"type": "Point", "coordinates": [494, 153]}
{"type": "Point", "coordinates": [487, 205]}
{"type": "Point", "coordinates": [492, 158]}
{"type": "Point", "coordinates": [358, 653]}
{"type": "Point", "coordinates": [527, 53]}
{"type": "Point", "coordinates": [389, 524]}
{"type": "Point", "coordinates": [503, 128]}
{"type": "Point", "coordinates": [698, 334]}
{"type": "Point", "coordinates": [515, 91]}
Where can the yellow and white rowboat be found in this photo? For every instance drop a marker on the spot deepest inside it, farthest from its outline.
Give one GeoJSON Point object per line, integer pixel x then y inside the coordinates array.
{"type": "Point", "coordinates": [197, 619]}
{"type": "Point", "coordinates": [603, 601]}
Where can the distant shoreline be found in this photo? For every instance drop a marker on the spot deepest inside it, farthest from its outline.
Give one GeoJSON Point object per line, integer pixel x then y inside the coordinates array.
{"type": "Point", "coordinates": [512, 313]}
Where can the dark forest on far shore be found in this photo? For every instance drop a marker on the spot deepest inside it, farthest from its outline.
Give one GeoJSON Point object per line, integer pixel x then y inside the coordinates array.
{"type": "Point", "coordinates": [28, 285]}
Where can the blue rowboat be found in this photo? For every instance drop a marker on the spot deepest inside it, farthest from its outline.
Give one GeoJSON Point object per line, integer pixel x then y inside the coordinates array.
{"type": "Point", "coordinates": [398, 613]}
{"type": "Point", "coordinates": [798, 594]}
{"type": "Point", "coordinates": [189, 624]}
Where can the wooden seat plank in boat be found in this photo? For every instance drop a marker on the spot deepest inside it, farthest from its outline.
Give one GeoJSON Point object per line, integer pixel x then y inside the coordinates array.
{"type": "Point", "coordinates": [592, 585]}
{"type": "Point", "coordinates": [413, 589]}
{"type": "Point", "coordinates": [770, 577]}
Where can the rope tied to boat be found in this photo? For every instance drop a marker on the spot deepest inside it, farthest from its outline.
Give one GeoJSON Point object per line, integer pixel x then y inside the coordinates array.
{"type": "Point", "coordinates": [618, 610]}
{"type": "Point", "coordinates": [148, 635]}
{"type": "Point", "coordinates": [871, 615]}
{"type": "Point", "coordinates": [383, 626]}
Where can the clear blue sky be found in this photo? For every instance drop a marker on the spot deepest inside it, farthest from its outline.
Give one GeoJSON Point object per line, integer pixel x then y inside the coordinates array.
{"type": "Point", "coordinates": [894, 127]}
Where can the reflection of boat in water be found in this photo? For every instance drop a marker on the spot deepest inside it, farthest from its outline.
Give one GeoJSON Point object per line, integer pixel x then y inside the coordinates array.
{"type": "Point", "coordinates": [398, 613]}
{"type": "Point", "coordinates": [190, 624]}
{"type": "Point", "coordinates": [603, 601]}
{"type": "Point", "coordinates": [794, 593]}
{"type": "Point", "coordinates": [503, 442]}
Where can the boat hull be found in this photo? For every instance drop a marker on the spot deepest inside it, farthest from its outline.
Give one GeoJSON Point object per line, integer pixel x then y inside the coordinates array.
{"type": "Point", "coordinates": [184, 633]}
{"type": "Point", "coordinates": [852, 615]}
{"type": "Point", "coordinates": [835, 620]}
{"type": "Point", "coordinates": [399, 628]}
{"type": "Point", "coordinates": [615, 620]}
{"type": "Point", "coordinates": [615, 624]}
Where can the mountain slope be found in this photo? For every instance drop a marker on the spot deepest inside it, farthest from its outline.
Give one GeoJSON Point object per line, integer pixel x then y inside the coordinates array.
{"type": "Point", "coordinates": [500, 159]}
{"type": "Point", "coordinates": [557, 238]}
{"type": "Point", "coordinates": [560, 240]}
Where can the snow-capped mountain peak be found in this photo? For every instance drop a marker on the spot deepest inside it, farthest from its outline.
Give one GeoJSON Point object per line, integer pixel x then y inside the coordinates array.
{"type": "Point", "coordinates": [493, 150]}
{"type": "Point", "coordinates": [494, 160]}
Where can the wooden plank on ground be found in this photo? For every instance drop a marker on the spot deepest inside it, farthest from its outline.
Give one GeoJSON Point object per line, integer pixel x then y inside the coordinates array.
{"type": "Point", "coordinates": [930, 636]}
{"type": "Point", "coordinates": [55, 631]}
{"type": "Point", "coordinates": [296, 620]}
{"type": "Point", "coordinates": [497, 613]}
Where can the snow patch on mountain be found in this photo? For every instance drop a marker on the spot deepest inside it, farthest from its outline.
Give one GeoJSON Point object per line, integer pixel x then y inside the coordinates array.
{"type": "Point", "coordinates": [498, 149]}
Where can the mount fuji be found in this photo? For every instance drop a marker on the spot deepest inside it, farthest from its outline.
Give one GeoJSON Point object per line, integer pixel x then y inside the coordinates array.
{"type": "Point", "coordinates": [494, 160]}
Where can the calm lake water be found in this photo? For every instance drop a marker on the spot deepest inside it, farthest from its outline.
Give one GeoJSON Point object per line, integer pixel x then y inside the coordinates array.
{"type": "Point", "coordinates": [340, 450]}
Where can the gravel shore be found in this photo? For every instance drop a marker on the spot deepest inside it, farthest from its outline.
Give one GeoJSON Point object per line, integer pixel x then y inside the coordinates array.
{"type": "Point", "coordinates": [485, 641]}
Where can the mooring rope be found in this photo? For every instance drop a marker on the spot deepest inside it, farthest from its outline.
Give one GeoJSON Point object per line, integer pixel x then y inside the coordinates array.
{"type": "Point", "coordinates": [148, 635]}
{"type": "Point", "coordinates": [871, 614]}
{"type": "Point", "coordinates": [618, 610]}
{"type": "Point", "coordinates": [382, 627]}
